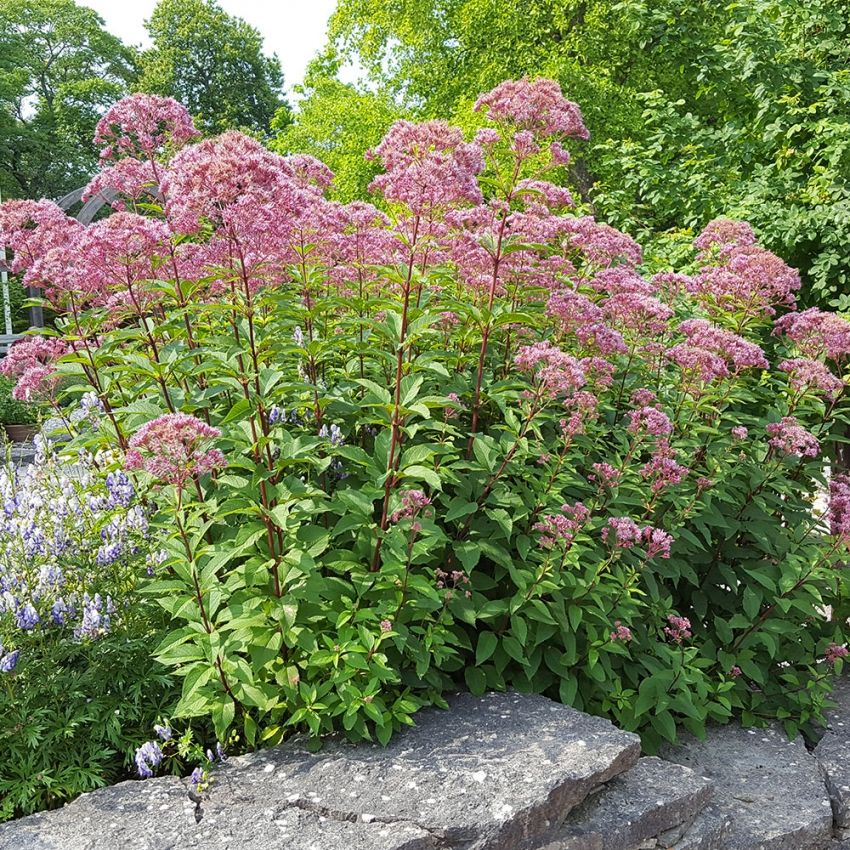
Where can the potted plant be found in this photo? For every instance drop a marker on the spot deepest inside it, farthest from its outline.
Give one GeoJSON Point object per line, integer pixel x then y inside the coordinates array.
{"type": "Point", "coordinates": [19, 418]}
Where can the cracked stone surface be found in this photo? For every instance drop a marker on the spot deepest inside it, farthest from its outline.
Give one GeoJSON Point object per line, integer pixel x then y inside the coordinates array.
{"type": "Point", "coordinates": [771, 788]}
{"type": "Point", "coordinates": [833, 752]}
{"type": "Point", "coordinates": [652, 798]}
{"type": "Point", "coordinates": [707, 831]}
{"type": "Point", "coordinates": [489, 774]}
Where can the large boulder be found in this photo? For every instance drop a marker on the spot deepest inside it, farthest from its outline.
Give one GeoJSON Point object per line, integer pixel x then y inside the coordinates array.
{"type": "Point", "coordinates": [490, 773]}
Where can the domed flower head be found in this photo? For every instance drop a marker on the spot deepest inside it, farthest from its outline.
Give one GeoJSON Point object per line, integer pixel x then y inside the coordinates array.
{"type": "Point", "coordinates": [31, 360]}
{"type": "Point", "coordinates": [32, 229]}
{"type": "Point", "coordinates": [789, 437]}
{"type": "Point", "coordinates": [143, 126]}
{"type": "Point", "coordinates": [172, 448]}
{"type": "Point", "coordinates": [428, 165]}
{"type": "Point", "coordinates": [536, 105]}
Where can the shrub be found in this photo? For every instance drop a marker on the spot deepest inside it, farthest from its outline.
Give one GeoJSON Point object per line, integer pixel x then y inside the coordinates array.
{"type": "Point", "coordinates": [78, 684]}
{"type": "Point", "coordinates": [463, 438]}
{"type": "Point", "coordinates": [13, 411]}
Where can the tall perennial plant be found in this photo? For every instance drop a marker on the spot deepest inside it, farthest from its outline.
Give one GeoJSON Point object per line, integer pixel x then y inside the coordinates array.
{"type": "Point", "coordinates": [458, 436]}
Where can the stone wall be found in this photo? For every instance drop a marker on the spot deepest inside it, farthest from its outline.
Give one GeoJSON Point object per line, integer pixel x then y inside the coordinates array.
{"type": "Point", "coordinates": [500, 772]}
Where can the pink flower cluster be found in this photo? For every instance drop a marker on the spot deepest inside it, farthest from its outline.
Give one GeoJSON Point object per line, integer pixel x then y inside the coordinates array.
{"type": "Point", "coordinates": [817, 333]}
{"type": "Point", "coordinates": [563, 527]}
{"type": "Point", "coordinates": [833, 652]}
{"type": "Point", "coordinates": [556, 372]}
{"type": "Point", "coordinates": [627, 534]}
{"type": "Point", "coordinates": [621, 632]}
{"type": "Point", "coordinates": [734, 349]}
{"type": "Point", "coordinates": [535, 105]}
{"type": "Point", "coordinates": [679, 628]}
{"type": "Point", "coordinates": [838, 511]}
{"type": "Point", "coordinates": [807, 374]}
{"type": "Point", "coordinates": [663, 470]}
{"type": "Point", "coordinates": [744, 278]}
{"type": "Point", "coordinates": [650, 420]}
{"type": "Point", "coordinates": [412, 504]}
{"type": "Point", "coordinates": [725, 234]}
{"type": "Point", "coordinates": [789, 437]}
{"type": "Point", "coordinates": [428, 165]}
{"type": "Point", "coordinates": [31, 360]}
{"type": "Point", "coordinates": [171, 448]}
{"type": "Point", "coordinates": [142, 126]}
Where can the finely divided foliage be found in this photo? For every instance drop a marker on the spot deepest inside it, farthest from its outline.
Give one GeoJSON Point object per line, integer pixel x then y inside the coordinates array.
{"type": "Point", "coordinates": [462, 436]}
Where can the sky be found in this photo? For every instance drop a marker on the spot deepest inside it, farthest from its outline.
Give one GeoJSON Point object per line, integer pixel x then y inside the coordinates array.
{"type": "Point", "coordinates": [294, 29]}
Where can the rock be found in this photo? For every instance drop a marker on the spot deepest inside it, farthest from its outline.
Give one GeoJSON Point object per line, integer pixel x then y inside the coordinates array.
{"type": "Point", "coordinates": [769, 787]}
{"type": "Point", "coordinates": [489, 774]}
{"type": "Point", "coordinates": [638, 806]}
{"type": "Point", "coordinates": [707, 831]}
{"type": "Point", "coordinates": [158, 815]}
{"type": "Point", "coordinates": [833, 752]}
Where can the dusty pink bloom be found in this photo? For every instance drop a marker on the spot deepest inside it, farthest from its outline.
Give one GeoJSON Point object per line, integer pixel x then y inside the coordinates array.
{"type": "Point", "coordinates": [386, 625]}
{"type": "Point", "coordinates": [699, 365]}
{"type": "Point", "coordinates": [621, 632]}
{"type": "Point", "coordinates": [626, 532]}
{"type": "Point", "coordinates": [791, 438]}
{"type": "Point", "coordinates": [142, 126]}
{"type": "Point", "coordinates": [556, 372]}
{"type": "Point", "coordinates": [32, 351]}
{"type": "Point", "coordinates": [656, 542]}
{"type": "Point", "coordinates": [600, 244]}
{"type": "Point", "coordinates": [807, 374]}
{"type": "Point", "coordinates": [619, 280]}
{"type": "Point", "coordinates": [739, 432]}
{"type": "Point", "coordinates": [412, 503]}
{"type": "Point", "coordinates": [704, 483]}
{"type": "Point", "coordinates": [643, 397]}
{"type": "Point", "coordinates": [737, 351]}
{"type": "Point", "coordinates": [543, 194]}
{"type": "Point", "coordinates": [725, 234]}
{"type": "Point", "coordinates": [563, 527]}
{"type": "Point", "coordinates": [736, 672]}
{"type": "Point", "coordinates": [31, 360]}
{"type": "Point", "coordinates": [638, 313]}
{"type": "Point", "coordinates": [428, 165]}
{"type": "Point", "coordinates": [649, 420]}
{"type": "Point", "coordinates": [33, 230]}
{"type": "Point", "coordinates": [172, 449]}
{"type": "Point", "coordinates": [310, 171]}
{"type": "Point", "coordinates": [116, 255]}
{"type": "Point", "coordinates": [839, 507]}
{"type": "Point", "coordinates": [663, 471]}
{"type": "Point", "coordinates": [486, 137]}
{"type": "Point", "coordinates": [833, 652]}
{"type": "Point", "coordinates": [817, 333]}
{"type": "Point", "coordinates": [605, 475]}
{"type": "Point", "coordinates": [576, 314]}
{"type": "Point", "coordinates": [749, 280]}
{"type": "Point", "coordinates": [679, 628]}
{"type": "Point", "coordinates": [132, 178]}
{"type": "Point", "coordinates": [536, 105]}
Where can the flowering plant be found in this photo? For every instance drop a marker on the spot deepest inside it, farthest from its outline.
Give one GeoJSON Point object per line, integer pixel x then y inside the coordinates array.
{"type": "Point", "coordinates": [77, 685]}
{"type": "Point", "coordinates": [459, 436]}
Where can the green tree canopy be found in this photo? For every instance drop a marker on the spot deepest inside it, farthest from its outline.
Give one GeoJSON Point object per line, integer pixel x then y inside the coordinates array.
{"type": "Point", "coordinates": [59, 69]}
{"type": "Point", "coordinates": [214, 64]}
{"type": "Point", "coordinates": [336, 122]}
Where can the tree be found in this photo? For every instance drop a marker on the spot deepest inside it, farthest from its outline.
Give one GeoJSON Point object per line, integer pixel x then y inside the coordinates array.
{"type": "Point", "coordinates": [336, 122]}
{"type": "Point", "coordinates": [59, 69]}
{"type": "Point", "coordinates": [695, 109]}
{"type": "Point", "coordinates": [214, 64]}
